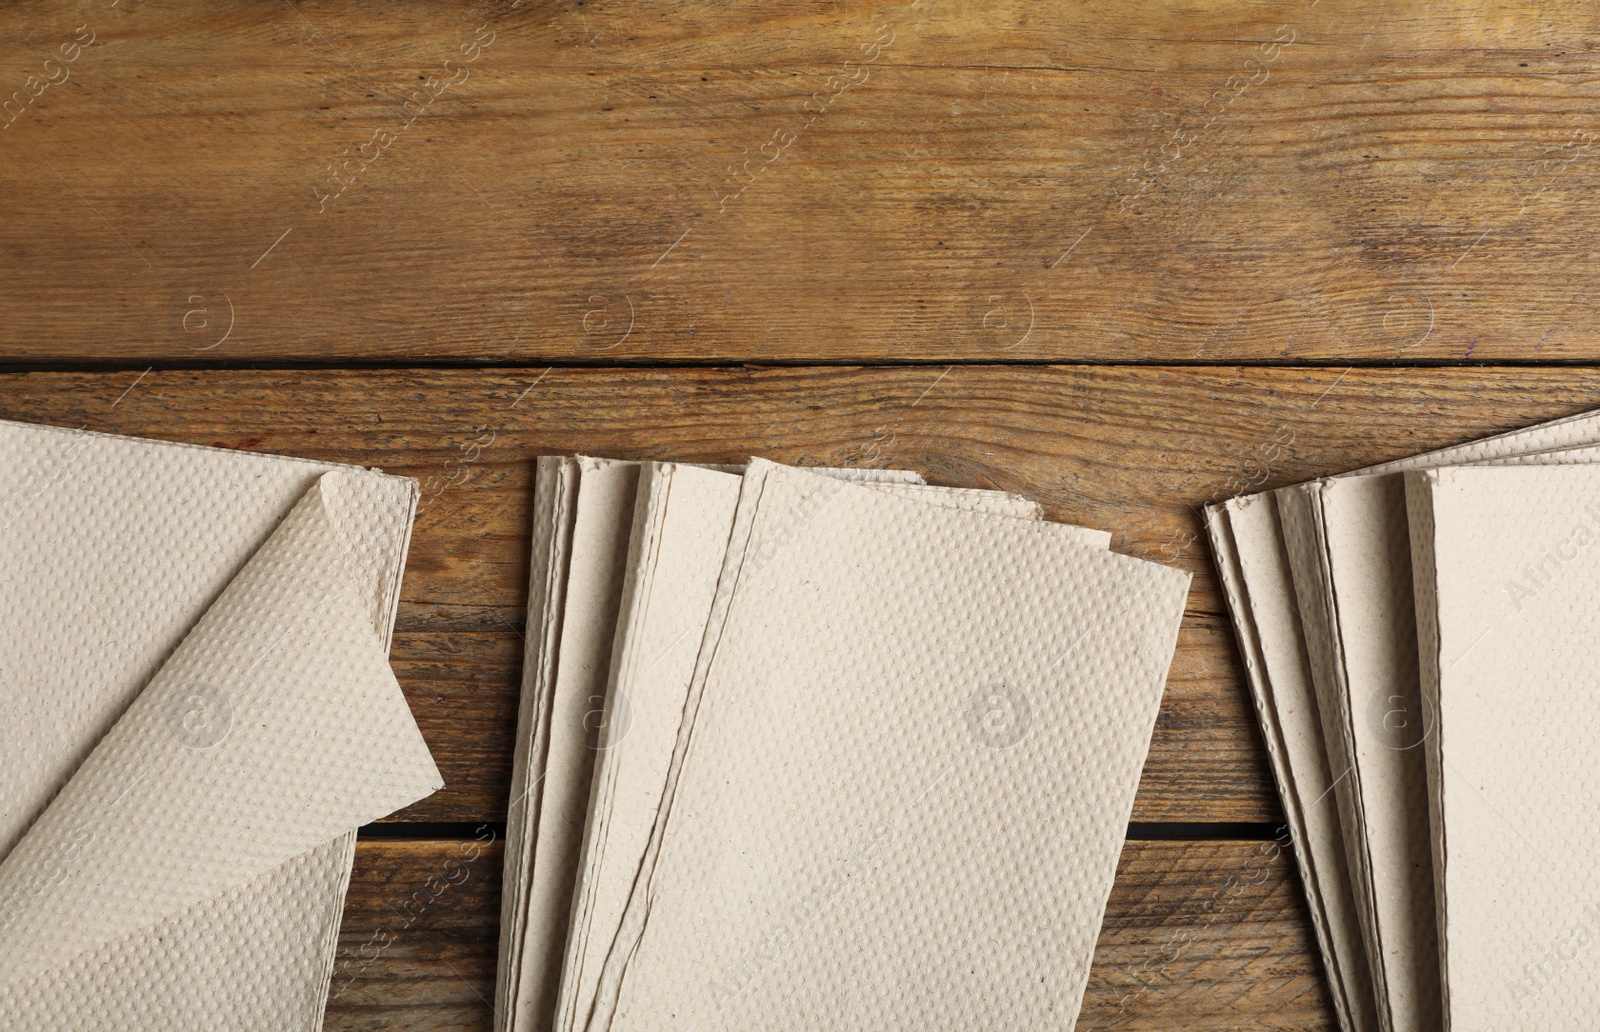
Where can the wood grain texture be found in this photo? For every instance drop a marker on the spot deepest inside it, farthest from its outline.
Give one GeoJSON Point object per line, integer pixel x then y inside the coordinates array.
{"type": "Point", "coordinates": [1210, 936]}
{"type": "Point", "coordinates": [1128, 449]}
{"type": "Point", "coordinates": [792, 181]}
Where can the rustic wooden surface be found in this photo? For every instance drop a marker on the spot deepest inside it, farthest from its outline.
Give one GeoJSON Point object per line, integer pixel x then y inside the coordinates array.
{"type": "Point", "coordinates": [916, 180]}
{"type": "Point", "coordinates": [1121, 259]}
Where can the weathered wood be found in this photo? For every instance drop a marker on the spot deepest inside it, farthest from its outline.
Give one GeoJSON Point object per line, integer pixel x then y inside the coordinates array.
{"type": "Point", "coordinates": [785, 181]}
{"type": "Point", "coordinates": [1197, 935]}
{"type": "Point", "coordinates": [1206, 935]}
{"type": "Point", "coordinates": [1130, 449]}
{"type": "Point", "coordinates": [420, 936]}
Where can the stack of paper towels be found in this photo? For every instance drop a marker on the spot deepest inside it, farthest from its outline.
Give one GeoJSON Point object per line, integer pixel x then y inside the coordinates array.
{"type": "Point", "coordinates": [818, 749]}
{"type": "Point", "coordinates": [1421, 638]}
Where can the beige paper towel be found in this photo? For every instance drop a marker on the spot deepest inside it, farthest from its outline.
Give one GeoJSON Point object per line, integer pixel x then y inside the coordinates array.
{"type": "Point", "coordinates": [202, 713]}
{"type": "Point", "coordinates": [896, 709]}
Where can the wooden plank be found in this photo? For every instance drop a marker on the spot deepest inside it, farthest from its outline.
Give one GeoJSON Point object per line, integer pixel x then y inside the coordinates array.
{"type": "Point", "coordinates": [237, 182]}
{"type": "Point", "coordinates": [1197, 935]}
{"type": "Point", "coordinates": [1130, 449]}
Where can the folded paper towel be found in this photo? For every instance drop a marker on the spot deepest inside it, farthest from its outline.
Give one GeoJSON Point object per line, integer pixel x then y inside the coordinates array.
{"type": "Point", "coordinates": [198, 713]}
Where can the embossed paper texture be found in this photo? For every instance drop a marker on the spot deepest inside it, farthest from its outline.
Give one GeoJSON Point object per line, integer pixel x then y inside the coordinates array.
{"type": "Point", "coordinates": [199, 713]}
{"type": "Point", "coordinates": [669, 605]}
{"type": "Point", "coordinates": [584, 518]}
{"type": "Point", "coordinates": [1508, 571]}
{"type": "Point", "coordinates": [915, 740]}
{"type": "Point", "coordinates": [683, 522]}
{"type": "Point", "coordinates": [1320, 582]}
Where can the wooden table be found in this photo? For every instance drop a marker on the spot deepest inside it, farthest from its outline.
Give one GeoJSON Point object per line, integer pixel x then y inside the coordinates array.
{"type": "Point", "coordinates": [1122, 260]}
